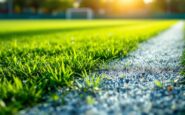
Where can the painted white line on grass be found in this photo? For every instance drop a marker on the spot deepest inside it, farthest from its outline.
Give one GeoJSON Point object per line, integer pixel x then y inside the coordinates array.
{"type": "Point", "coordinates": [147, 87]}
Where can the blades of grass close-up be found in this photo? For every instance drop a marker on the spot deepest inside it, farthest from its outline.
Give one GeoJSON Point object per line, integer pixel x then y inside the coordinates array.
{"type": "Point", "coordinates": [39, 57]}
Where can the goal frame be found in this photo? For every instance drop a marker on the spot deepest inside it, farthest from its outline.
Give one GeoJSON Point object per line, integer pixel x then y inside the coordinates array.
{"type": "Point", "coordinates": [71, 11]}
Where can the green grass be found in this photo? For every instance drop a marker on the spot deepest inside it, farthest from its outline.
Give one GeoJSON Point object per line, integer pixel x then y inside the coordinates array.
{"type": "Point", "coordinates": [183, 63]}
{"type": "Point", "coordinates": [40, 56]}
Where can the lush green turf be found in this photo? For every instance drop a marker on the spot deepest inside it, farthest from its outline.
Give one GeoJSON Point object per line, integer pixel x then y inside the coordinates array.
{"type": "Point", "coordinates": [37, 57]}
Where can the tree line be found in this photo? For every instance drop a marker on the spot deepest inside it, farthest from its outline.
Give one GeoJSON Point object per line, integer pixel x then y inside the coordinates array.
{"type": "Point", "coordinates": [50, 6]}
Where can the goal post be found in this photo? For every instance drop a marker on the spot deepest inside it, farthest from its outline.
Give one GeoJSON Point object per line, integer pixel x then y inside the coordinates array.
{"type": "Point", "coordinates": [79, 13]}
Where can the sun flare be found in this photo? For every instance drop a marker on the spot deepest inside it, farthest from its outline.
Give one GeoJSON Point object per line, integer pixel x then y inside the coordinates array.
{"type": "Point", "coordinates": [148, 1]}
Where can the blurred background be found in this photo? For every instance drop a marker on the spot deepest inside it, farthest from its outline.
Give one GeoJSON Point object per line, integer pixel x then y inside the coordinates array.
{"type": "Point", "coordinates": [88, 9]}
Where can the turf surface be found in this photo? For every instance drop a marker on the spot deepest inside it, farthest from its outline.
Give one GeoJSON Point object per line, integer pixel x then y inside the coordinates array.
{"type": "Point", "coordinates": [37, 57]}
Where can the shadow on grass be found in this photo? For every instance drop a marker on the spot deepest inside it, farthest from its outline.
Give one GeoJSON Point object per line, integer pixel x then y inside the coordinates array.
{"type": "Point", "coordinates": [11, 35]}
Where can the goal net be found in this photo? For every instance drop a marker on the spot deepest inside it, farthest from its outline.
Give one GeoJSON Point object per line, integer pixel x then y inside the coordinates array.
{"type": "Point", "coordinates": [79, 13]}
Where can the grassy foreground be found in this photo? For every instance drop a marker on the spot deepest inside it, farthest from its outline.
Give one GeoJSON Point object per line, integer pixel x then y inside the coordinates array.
{"type": "Point", "coordinates": [38, 57]}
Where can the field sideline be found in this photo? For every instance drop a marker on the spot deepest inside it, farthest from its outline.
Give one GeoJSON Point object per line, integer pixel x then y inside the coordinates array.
{"type": "Point", "coordinates": [39, 57]}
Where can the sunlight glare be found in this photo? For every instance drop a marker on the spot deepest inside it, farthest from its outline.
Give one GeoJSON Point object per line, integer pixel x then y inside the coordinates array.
{"type": "Point", "coordinates": [2, 1]}
{"type": "Point", "coordinates": [148, 1]}
{"type": "Point", "coordinates": [127, 1]}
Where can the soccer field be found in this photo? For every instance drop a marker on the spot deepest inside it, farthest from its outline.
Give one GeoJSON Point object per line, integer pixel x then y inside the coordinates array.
{"type": "Point", "coordinates": [38, 57]}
